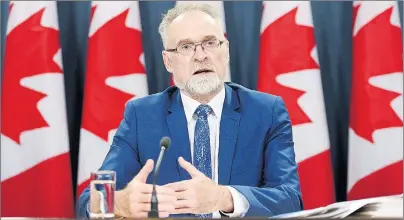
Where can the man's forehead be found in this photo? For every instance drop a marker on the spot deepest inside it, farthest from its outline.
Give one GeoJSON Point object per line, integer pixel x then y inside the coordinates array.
{"type": "Point", "coordinates": [201, 38]}
{"type": "Point", "coordinates": [193, 17]}
{"type": "Point", "coordinates": [193, 26]}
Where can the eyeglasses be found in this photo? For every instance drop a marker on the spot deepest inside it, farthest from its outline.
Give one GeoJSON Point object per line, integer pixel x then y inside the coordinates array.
{"type": "Point", "coordinates": [190, 48]}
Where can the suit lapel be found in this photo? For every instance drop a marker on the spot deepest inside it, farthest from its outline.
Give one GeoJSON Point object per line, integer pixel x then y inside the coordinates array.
{"type": "Point", "coordinates": [229, 126]}
{"type": "Point", "coordinates": [177, 126]}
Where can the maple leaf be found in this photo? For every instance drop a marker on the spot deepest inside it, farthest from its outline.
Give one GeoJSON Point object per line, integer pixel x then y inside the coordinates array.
{"type": "Point", "coordinates": [30, 49]}
{"type": "Point", "coordinates": [114, 50]}
{"type": "Point", "coordinates": [286, 47]}
{"type": "Point", "coordinates": [376, 51]}
{"type": "Point", "coordinates": [10, 7]}
{"type": "Point", "coordinates": [92, 13]}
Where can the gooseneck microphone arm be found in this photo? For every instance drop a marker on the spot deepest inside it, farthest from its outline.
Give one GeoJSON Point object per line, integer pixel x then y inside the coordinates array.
{"type": "Point", "coordinates": [154, 202]}
{"type": "Point", "coordinates": [156, 170]}
{"type": "Point", "coordinates": [165, 142]}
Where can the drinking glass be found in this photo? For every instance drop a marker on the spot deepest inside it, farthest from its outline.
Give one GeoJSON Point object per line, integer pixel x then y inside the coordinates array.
{"type": "Point", "coordinates": [102, 194]}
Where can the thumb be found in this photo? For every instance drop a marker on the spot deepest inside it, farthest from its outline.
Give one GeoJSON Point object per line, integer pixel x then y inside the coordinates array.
{"type": "Point", "coordinates": [189, 168]}
{"type": "Point", "coordinates": [144, 172]}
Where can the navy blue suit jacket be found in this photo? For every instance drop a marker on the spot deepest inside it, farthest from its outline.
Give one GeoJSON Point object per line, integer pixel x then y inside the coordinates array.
{"type": "Point", "coordinates": [256, 153]}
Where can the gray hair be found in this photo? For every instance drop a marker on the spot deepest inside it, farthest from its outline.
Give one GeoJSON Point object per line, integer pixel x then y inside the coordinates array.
{"type": "Point", "coordinates": [182, 8]}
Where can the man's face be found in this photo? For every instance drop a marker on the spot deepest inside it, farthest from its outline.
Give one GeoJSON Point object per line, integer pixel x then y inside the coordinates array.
{"type": "Point", "coordinates": [200, 71]}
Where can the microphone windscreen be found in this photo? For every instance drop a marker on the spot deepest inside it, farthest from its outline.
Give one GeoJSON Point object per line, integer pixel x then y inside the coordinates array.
{"type": "Point", "coordinates": [165, 142]}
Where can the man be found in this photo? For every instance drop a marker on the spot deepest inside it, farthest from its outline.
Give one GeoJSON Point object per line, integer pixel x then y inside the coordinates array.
{"type": "Point", "coordinates": [232, 149]}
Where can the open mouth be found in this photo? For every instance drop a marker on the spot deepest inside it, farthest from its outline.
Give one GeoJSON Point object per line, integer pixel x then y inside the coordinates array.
{"type": "Point", "coordinates": [202, 71]}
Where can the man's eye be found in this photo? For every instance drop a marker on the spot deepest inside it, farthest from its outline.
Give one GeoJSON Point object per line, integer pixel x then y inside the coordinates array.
{"type": "Point", "coordinates": [186, 46]}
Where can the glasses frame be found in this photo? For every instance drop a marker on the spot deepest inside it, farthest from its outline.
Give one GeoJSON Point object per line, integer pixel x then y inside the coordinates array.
{"type": "Point", "coordinates": [196, 44]}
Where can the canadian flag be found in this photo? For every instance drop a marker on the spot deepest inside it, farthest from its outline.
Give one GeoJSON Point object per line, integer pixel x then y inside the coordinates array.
{"type": "Point", "coordinates": [376, 117]}
{"type": "Point", "coordinates": [35, 160]}
{"type": "Point", "coordinates": [218, 6]}
{"type": "Point", "coordinates": [289, 67]}
{"type": "Point", "coordinates": [115, 75]}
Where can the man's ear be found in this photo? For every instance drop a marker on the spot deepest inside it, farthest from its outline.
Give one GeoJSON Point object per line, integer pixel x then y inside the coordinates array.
{"type": "Point", "coordinates": [227, 51]}
{"type": "Point", "coordinates": [167, 61]}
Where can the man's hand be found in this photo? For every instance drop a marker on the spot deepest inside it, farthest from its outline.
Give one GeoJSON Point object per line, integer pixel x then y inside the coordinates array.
{"type": "Point", "coordinates": [200, 195]}
{"type": "Point", "coordinates": [94, 200]}
{"type": "Point", "coordinates": [134, 200]}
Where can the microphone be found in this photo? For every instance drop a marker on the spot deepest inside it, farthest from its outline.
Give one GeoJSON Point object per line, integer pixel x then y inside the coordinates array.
{"type": "Point", "coordinates": [165, 142]}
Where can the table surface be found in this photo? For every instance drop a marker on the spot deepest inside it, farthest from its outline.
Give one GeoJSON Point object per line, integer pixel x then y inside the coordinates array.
{"type": "Point", "coordinates": [390, 207]}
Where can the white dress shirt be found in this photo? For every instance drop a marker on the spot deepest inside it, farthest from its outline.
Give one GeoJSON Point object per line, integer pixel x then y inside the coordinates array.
{"type": "Point", "coordinates": [241, 204]}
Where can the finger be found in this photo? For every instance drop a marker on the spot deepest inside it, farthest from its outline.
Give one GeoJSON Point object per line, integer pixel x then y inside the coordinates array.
{"type": "Point", "coordinates": [166, 208]}
{"type": "Point", "coordinates": [140, 215]}
{"type": "Point", "coordinates": [179, 186]}
{"type": "Point", "coordinates": [189, 168]}
{"type": "Point", "coordinates": [184, 211]}
{"type": "Point", "coordinates": [145, 171]}
{"type": "Point", "coordinates": [94, 199]}
{"type": "Point", "coordinates": [182, 204]}
{"type": "Point", "coordinates": [163, 214]}
{"type": "Point", "coordinates": [148, 188]}
{"type": "Point", "coordinates": [170, 185]}
{"type": "Point", "coordinates": [183, 195]}
{"type": "Point", "coordinates": [161, 198]}
{"type": "Point", "coordinates": [143, 188]}
{"type": "Point", "coordinates": [93, 190]}
{"type": "Point", "coordinates": [141, 207]}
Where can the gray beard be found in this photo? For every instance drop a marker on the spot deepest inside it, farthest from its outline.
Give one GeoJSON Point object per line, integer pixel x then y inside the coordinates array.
{"type": "Point", "coordinates": [201, 85]}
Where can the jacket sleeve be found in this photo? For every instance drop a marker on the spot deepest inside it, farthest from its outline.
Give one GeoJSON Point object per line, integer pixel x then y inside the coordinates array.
{"type": "Point", "coordinates": [280, 190]}
{"type": "Point", "coordinates": [122, 158]}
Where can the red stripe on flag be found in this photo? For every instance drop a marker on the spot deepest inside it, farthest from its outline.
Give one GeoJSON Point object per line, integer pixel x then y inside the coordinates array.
{"type": "Point", "coordinates": [316, 180]}
{"type": "Point", "coordinates": [42, 191]}
{"type": "Point", "coordinates": [384, 182]}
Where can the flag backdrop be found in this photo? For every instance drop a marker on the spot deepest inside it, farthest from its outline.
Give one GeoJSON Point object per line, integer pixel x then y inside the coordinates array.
{"type": "Point", "coordinates": [115, 75]}
{"type": "Point", "coordinates": [98, 69]}
{"type": "Point", "coordinates": [376, 124]}
{"type": "Point", "coordinates": [288, 67]}
{"type": "Point", "coordinates": [35, 161]}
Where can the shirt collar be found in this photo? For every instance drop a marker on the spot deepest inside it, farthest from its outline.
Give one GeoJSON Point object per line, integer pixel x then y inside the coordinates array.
{"type": "Point", "coordinates": [216, 103]}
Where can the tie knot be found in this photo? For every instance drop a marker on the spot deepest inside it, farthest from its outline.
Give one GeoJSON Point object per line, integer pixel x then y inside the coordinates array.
{"type": "Point", "coordinates": [203, 111]}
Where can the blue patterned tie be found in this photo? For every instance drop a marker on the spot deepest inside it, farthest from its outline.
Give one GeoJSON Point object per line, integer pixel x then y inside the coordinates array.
{"type": "Point", "coordinates": [202, 159]}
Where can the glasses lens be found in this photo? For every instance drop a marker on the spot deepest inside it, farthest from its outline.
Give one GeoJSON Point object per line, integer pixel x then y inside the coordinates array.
{"type": "Point", "coordinates": [186, 48]}
{"type": "Point", "coordinates": [211, 43]}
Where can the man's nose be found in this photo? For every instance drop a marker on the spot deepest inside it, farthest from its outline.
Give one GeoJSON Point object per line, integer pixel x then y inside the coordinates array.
{"type": "Point", "coordinates": [200, 54]}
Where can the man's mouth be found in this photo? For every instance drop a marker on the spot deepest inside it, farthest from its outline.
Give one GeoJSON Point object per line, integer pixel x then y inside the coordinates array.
{"type": "Point", "coordinates": [202, 71]}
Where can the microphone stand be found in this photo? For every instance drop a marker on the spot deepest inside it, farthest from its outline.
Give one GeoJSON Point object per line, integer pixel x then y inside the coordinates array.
{"type": "Point", "coordinates": [154, 213]}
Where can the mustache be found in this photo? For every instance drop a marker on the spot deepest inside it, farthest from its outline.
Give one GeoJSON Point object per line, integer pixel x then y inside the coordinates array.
{"type": "Point", "coordinates": [203, 66]}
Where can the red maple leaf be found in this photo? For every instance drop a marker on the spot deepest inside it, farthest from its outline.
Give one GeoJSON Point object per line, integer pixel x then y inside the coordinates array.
{"type": "Point", "coordinates": [92, 13]}
{"type": "Point", "coordinates": [285, 47]}
{"type": "Point", "coordinates": [10, 7]}
{"type": "Point", "coordinates": [30, 49]}
{"type": "Point", "coordinates": [114, 50]}
{"type": "Point", "coordinates": [377, 50]}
